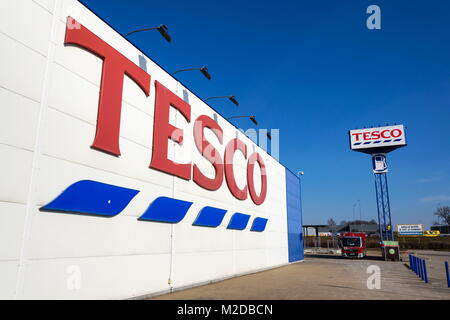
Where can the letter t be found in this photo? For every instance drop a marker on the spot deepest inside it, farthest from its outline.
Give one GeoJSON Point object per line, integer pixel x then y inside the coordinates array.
{"type": "Point", "coordinates": [115, 66]}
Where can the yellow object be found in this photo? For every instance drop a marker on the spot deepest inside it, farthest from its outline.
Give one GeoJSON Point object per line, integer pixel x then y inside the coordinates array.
{"type": "Point", "coordinates": [432, 233]}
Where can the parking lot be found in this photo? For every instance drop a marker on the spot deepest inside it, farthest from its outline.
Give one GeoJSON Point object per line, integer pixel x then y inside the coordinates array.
{"type": "Point", "coordinates": [332, 277]}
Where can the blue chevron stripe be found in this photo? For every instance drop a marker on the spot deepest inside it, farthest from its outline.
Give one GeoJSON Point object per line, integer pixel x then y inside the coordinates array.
{"type": "Point", "coordinates": [259, 224]}
{"type": "Point", "coordinates": [100, 199]}
{"type": "Point", "coordinates": [376, 142]}
{"type": "Point", "coordinates": [164, 209]}
{"type": "Point", "coordinates": [92, 198]}
{"type": "Point", "coordinates": [238, 221]}
{"type": "Point", "coordinates": [210, 217]}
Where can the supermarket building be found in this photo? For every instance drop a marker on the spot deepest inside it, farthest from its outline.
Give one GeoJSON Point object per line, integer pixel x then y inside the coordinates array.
{"type": "Point", "coordinates": [119, 182]}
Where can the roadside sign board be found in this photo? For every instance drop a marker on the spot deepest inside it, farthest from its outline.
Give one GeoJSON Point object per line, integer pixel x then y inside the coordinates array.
{"type": "Point", "coordinates": [410, 229]}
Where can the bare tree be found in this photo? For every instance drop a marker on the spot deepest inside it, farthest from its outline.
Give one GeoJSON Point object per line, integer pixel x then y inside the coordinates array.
{"type": "Point", "coordinates": [443, 214]}
{"type": "Point", "coordinates": [332, 225]}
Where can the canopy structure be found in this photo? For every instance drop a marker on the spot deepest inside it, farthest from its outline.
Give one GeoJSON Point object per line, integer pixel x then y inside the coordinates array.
{"type": "Point", "coordinates": [315, 226]}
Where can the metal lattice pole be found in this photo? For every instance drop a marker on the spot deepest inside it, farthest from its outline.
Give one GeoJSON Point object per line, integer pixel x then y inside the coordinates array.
{"type": "Point", "coordinates": [378, 206]}
{"type": "Point", "coordinates": [383, 207]}
{"type": "Point", "coordinates": [388, 207]}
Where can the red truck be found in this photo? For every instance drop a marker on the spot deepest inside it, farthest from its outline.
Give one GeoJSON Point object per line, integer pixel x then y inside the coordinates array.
{"type": "Point", "coordinates": [353, 244]}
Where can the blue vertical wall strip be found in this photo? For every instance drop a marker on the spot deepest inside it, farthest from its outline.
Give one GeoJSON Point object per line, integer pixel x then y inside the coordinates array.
{"type": "Point", "coordinates": [294, 217]}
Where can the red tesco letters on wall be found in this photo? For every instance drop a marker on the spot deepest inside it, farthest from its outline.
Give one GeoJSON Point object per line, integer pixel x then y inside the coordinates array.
{"type": "Point", "coordinates": [115, 67]}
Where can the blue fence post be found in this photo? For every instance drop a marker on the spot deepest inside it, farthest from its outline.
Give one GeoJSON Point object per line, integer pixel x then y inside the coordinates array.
{"type": "Point", "coordinates": [420, 269]}
{"type": "Point", "coordinates": [425, 274]}
{"type": "Point", "coordinates": [410, 263]}
{"type": "Point", "coordinates": [414, 264]}
{"type": "Point", "coordinates": [448, 274]}
{"type": "Point", "coordinates": [423, 271]}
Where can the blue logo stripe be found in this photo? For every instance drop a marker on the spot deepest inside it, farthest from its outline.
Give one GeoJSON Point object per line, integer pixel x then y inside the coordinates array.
{"type": "Point", "coordinates": [165, 209]}
{"type": "Point", "coordinates": [238, 221]}
{"type": "Point", "coordinates": [210, 217]}
{"type": "Point", "coordinates": [376, 142]}
{"type": "Point", "coordinates": [259, 224]}
{"type": "Point", "coordinates": [100, 199]}
{"type": "Point", "coordinates": [92, 197]}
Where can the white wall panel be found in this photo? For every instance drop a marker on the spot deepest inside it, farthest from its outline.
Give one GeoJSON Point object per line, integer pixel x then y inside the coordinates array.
{"type": "Point", "coordinates": [58, 236]}
{"type": "Point", "coordinates": [8, 276]}
{"type": "Point", "coordinates": [197, 267]}
{"type": "Point", "coordinates": [22, 68]}
{"type": "Point", "coordinates": [15, 168]}
{"type": "Point", "coordinates": [48, 5]}
{"type": "Point", "coordinates": [12, 216]}
{"type": "Point", "coordinates": [18, 122]}
{"type": "Point", "coordinates": [111, 277]}
{"type": "Point", "coordinates": [26, 22]}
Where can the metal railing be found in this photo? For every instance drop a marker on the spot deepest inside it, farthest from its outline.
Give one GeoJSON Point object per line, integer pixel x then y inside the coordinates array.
{"type": "Point", "coordinates": [419, 266]}
{"type": "Point", "coordinates": [317, 243]}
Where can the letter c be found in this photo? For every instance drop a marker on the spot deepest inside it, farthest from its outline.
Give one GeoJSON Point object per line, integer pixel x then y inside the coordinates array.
{"type": "Point", "coordinates": [230, 150]}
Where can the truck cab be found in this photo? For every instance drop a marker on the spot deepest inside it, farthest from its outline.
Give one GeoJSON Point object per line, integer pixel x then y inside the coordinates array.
{"type": "Point", "coordinates": [353, 244]}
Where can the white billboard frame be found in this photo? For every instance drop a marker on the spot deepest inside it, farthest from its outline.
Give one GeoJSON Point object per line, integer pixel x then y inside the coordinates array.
{"type": "Point", "coordinates": [412, 229]}
{"type": "Point", "coordinates": [377, 137]}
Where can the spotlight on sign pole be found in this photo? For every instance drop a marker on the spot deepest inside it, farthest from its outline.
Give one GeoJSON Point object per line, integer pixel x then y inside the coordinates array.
{"type": "Point", "coordinates": [231, 98]}
{"type": "Point", "coordinates": [162, 28]}
{"type": "Point", "coordinates": [203, 70]}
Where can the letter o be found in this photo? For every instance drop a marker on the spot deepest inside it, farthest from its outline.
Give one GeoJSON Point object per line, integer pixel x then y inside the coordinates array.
{"type": "Point", "coordinates": [399, 133]}
{"type": "Point", "coordinates": [255, 157]}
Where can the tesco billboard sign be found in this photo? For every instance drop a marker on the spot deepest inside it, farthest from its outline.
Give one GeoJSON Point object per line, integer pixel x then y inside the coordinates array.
{"type": "Point", "coordinates": [378, 137]}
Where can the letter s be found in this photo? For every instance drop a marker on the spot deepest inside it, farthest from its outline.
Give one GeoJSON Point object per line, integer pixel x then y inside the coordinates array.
{"type": "Point", "coordinates": [209, 152]}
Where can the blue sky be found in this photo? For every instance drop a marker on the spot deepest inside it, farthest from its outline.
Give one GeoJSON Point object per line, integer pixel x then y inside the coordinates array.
{"type": "Point", "coordinates": [313, 70]}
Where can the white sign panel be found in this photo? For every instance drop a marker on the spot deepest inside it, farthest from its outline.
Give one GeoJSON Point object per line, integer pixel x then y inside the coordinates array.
{"type": "Point", "coordinates": [377, 137]}
{"type": "Point", "coordinates": [410, 229]}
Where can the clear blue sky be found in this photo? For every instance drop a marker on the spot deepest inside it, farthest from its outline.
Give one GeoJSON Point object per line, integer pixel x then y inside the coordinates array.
{"type": "Point", "coordinates": [313, 70]}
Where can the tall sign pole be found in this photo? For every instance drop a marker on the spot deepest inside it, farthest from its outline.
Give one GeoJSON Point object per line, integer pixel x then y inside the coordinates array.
{"type": "Point", "coordinates": [378, 142]}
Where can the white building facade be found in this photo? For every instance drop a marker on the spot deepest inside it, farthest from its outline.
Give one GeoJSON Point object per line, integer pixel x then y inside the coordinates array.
{"type": "Point", "coordinates": [116, 180]}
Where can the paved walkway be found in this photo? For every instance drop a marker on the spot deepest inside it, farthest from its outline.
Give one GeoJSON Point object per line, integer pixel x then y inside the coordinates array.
{"type": "Point", "coordinates": [330, 277]}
